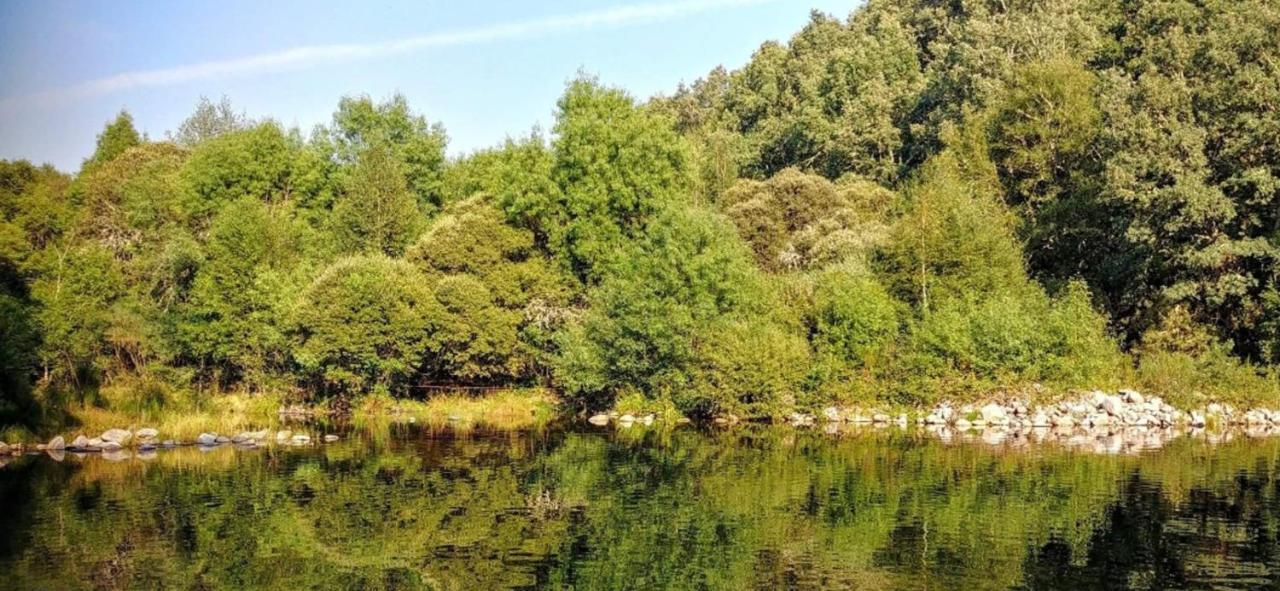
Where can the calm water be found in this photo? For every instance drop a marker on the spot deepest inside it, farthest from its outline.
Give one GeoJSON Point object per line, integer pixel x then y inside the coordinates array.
{"type": "Point", "coordinates": [748, 509]}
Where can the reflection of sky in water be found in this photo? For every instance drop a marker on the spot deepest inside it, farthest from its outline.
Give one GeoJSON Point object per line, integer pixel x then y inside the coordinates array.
{"type": "Point", "coordinates": [640, 508]}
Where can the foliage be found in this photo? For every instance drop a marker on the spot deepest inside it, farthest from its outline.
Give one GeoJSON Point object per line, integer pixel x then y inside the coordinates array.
{"type": "Point", "coordinates": [252, 269]}
{"type": "Point", "coordinates": [491, 281]}
{"type": "Point", "coordinates": [616, 165]}
{"type": "Point", "coordinates": [647, 318]}
{"type": "Point", "coordinates": [924, 199]}
{"type": "Point", "coordinates": [795, 220]}
{"type": "Point", "coordinates": [209, 121]}
{"type": "Point", "coordinates": [119, 135]}
{"type": "Point", "coordinates": [259, 162]}
{"type": "Point", "coordinates": [365, 324]}
{"type": "Point", "coordinates": [414, 143]}
{"type": "Point", "coordinates": [376, 213]}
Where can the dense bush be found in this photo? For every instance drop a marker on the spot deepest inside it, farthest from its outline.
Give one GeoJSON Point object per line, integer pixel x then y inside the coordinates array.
{"type": "Point", "coordinates": [494, 284]}
{"type": "Point", "coordinates": [365, 325]}
{"type": "Point", "coordinates": [649, 314]}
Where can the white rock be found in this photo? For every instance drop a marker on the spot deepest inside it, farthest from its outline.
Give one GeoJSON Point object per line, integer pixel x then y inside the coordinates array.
{"type": "Point", "coordinates": [111, 446]}
{"type": "Point", "coordinates": [147, 433]}
{"type": "Point", "coordinates": [831, 413]}
{"type": "Point", "coordinates": [599, 420]}
{"type": "Point", "coordinates": [962, 424]}
{"type": "Point", "coordinates": [330, 438]}
{"type": "Point", "coordinates": [80, 442]}
{"type": "Point", "coordinates": [117, 436]}
{"type": "Point", "coordinates": [1113, 405]}
{"type": "Point", "coordinates": [56, 443]}
{"type": "Point", "coordinates": [207, 439]}
{"type": "Point", "coordinates": [995, 414]}
{"type": "Point", "coordinates": [1131, 396]}
{"type": "Point", "coordinates": [1040, 420]}
{"type": "Point", "coordinates": [627, 418]}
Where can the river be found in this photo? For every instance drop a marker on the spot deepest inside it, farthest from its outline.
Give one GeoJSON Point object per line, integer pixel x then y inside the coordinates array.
{"type": "Point", "coordinates": [744, 508]}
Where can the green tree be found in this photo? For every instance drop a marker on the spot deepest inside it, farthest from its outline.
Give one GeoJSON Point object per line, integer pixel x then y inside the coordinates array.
{"type": "Point", "coordinates": [254, 266]}
{"type": "Point", "coordinates": [616, 165]}
{"type": "Point", "coordinates": [77, 287]}
{"type": "Point", "coordinates": [118, 136]}
{"type": "Point", "coordinates": [956, 238]}
{"type": "Point", "coordinates": [502, 295]}
{"type": "Point", "coordinates": [646, 319]}
{"type": "Point", "coordinates": [376, 212]}
{"type": "Point", "coordinates": [209, 121]}
{"type": "Point", "coordinates": [263, 162]}
{"type": "Point", "coordinates": [365, 325]}
{"type": "Point", "coordinates": [796, 220]}
{"type": "Point", "coordinates": [418, 146]}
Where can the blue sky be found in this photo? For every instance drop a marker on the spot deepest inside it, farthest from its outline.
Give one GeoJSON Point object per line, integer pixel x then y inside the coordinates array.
{"type": "Point", "coordinates": [486, 70]}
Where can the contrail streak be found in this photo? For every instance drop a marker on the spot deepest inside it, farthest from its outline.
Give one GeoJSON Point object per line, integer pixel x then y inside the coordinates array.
{"type": "Point", "coordinates": [303, 57]}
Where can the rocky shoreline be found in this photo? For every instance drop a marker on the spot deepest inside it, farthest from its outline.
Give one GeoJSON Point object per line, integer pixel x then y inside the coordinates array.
{"type": "Point", "coordinates": [118, 444]}
{"type": "Point", "coordinates": [1102, 422]}
{"type": "Point", "coordinates": [1098, 422]}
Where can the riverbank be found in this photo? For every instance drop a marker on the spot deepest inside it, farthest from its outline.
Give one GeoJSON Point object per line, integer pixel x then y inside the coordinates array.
{"type": "Point", "coordinates": [1099, 421]}
{"type": "Point", "coordinates": [237, 413]}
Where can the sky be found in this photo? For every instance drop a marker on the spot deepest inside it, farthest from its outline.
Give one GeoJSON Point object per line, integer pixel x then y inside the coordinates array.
{"type": "Point", "coordinates": [486, 70]}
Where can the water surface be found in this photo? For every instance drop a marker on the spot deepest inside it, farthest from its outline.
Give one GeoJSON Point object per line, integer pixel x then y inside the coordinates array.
{"type": "Point", "coordinates": [569, 509]}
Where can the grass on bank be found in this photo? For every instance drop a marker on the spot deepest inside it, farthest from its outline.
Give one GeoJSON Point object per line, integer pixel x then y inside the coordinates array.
{"type": "Point", "coordinates": [182, 414]}
{"type": "Point", "coordinates": [516, 408]}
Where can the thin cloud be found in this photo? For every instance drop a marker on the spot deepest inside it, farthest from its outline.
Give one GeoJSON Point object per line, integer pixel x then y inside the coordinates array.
{"type": "Point", "coordinates": [304, 57]}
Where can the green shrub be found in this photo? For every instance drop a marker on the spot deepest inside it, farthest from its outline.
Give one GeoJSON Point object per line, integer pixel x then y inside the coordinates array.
{"type": "Point", "coordinates": [365, 324]}
{"type": "Point", "coordinates": [1018, 337]}
{"type": "Point", "coordinates": [648, 315]}
{"type": "Point", "coordinates": [751, 368]}
{"type": "Point", "coordinates": [501, 295]}
{"type": "Point", "coordinates": [854, 316]}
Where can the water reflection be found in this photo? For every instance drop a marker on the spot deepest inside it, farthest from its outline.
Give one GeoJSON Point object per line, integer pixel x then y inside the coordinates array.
{"type": "Point", "coordinates": [740, 509]}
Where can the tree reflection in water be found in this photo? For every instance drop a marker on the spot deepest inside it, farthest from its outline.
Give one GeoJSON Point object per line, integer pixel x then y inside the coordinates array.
{"type": "Point", "coordinates": [764, 509]}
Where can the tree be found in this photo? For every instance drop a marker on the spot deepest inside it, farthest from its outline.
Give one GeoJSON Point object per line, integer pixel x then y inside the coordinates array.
{"type": "Point", "coordinates": [418, 146]}
{"type": "Point", "coordinates": [796, 220]}
{"type": "Point", "coordinates": [956, 238]}
{"type": "Point", "coordinates": [376, 212]}
{"type": "Point", "coordinates": [616, 166]}
{"type": "Point", "coordinates": [77, 288]}
{"type": "Point", "coordinates": [646, 320]}
{"type": "Point", "coordinates": [259, 162]}
{"type": "Point", "coordinates": [118, 136]}
{"type": "Point", "coordinates": [365, 325]}
{"type": "Point", "coordinates": [501, 294]}
{"type": "Point", "coordinates": [254, 268]}
{"type": "Point", "coordinates": [209, 121]}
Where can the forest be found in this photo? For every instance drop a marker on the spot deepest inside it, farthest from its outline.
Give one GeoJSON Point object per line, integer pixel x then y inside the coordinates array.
{"type": "Point", "coordinates": [925, 200]}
